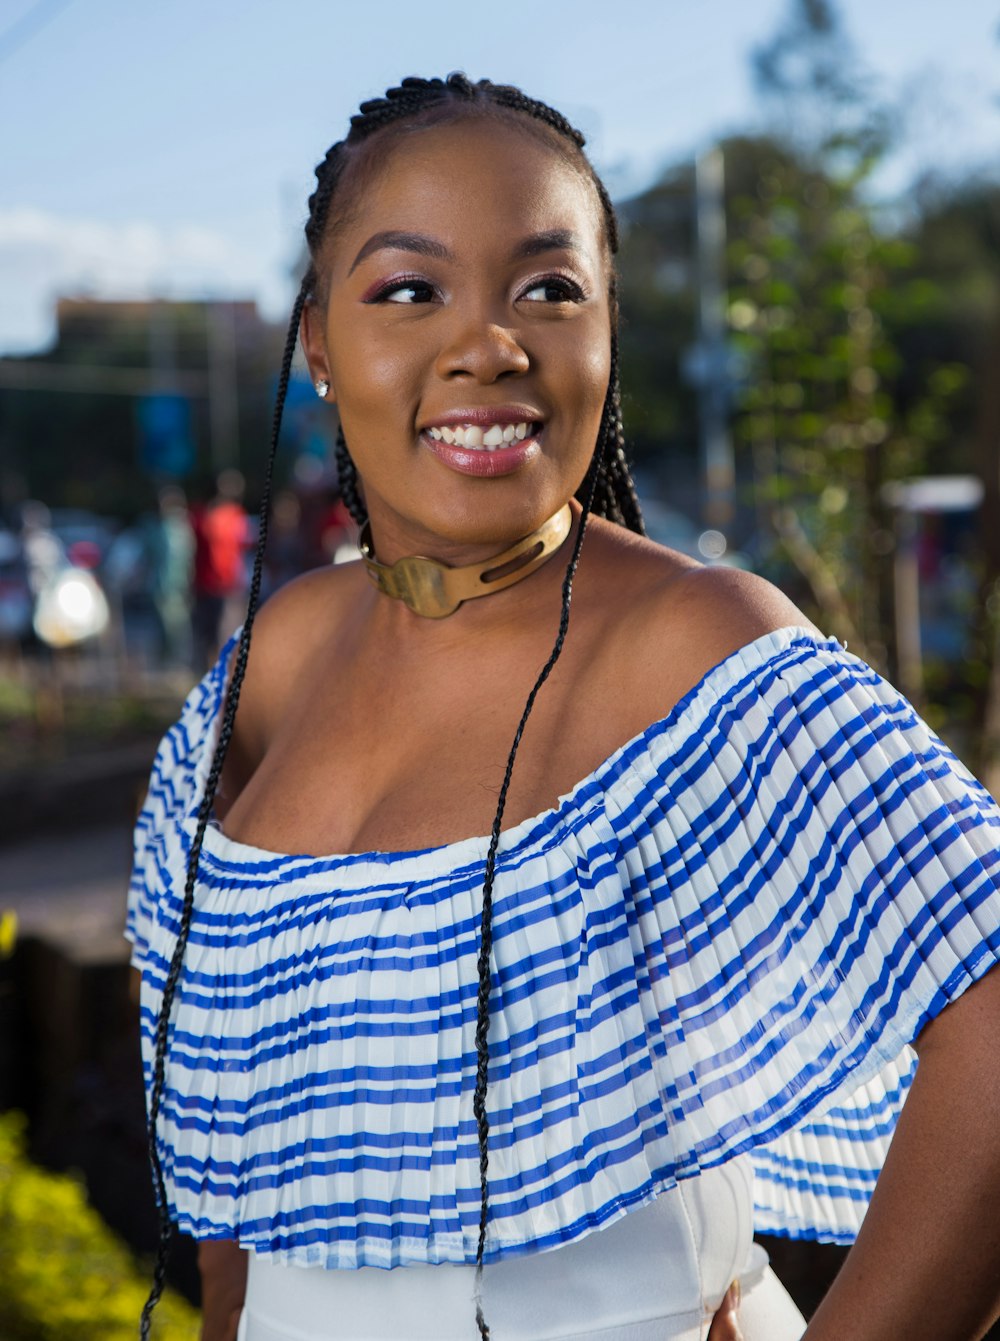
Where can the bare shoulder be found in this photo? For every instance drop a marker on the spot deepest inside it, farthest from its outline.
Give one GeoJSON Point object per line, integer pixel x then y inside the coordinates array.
{"type": "Point", "coordinates": [302, 614]}
{"type": "Point", "coordinates": [290, 631]}
{"type": "Point", "coordinates": [725, 608]}
{"type": "Point", "coordinates": [677, 617]}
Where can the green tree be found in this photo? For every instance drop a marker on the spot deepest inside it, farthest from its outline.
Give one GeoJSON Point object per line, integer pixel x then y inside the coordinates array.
{"type": "Point", "coordinates": [956, 238]}
{"type": "Point", "coordinates": [817, 290]}
{"type": "Point", "coordinates": [819, 294]}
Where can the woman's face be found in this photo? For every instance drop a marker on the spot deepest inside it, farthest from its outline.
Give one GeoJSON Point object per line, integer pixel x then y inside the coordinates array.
{"type": "Point", "coordinates": [467, 300]}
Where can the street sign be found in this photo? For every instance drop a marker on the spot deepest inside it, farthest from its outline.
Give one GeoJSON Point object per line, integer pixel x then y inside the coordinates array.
{"type": "Point", "coordinates": [166, 446]}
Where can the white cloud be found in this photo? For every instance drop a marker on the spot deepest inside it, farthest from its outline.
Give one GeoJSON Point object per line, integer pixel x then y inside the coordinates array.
{"type": "Point", "coordinates": [44, 256]}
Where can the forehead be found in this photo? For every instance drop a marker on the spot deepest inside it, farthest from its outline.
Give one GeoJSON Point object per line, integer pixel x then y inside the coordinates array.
{"type": "Point", "coordinates": [475, 181]}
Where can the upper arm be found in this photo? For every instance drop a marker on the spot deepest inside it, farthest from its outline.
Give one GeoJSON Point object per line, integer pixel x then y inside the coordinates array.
{"type": "Point", "coordinates": [967, 1025]}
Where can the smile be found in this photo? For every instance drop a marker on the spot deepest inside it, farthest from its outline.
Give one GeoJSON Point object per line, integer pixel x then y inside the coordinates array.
{"type": "Point", "coordinates": [483, 437]}
{"type": "Point", "coordinates": [485, 450]}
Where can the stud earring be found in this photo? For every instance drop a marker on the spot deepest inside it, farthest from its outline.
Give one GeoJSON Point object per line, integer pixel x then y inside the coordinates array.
{"type": "Point", "coordinates": [322, 387]}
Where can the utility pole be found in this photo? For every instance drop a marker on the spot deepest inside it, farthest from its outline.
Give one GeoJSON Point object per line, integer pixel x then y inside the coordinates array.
{"type": "Point", "coordinates": [711, 361]}
{"type": "Point", "coordinates": [162, 347]}
{"type": "Point", "coordinates": [222, 399]}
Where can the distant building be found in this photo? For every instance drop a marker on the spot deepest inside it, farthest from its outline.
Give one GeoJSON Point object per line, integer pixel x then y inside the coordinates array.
{"type": "Point", "coordinates": [132, 393]}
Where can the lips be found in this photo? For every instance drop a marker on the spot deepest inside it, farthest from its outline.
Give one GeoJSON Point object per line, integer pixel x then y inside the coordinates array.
{"type": "Point", "coordinates": [485, 460]}
{"type": "Point", "coordinates": [487, 440]}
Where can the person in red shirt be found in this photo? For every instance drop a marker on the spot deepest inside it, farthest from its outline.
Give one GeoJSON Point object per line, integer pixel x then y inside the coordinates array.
{"type": "Point", "coordinates": [222, 533]}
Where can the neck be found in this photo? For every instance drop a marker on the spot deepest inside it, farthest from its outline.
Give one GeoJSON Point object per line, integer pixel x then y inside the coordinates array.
{"type": "Point", "coordinates": [435, 590]}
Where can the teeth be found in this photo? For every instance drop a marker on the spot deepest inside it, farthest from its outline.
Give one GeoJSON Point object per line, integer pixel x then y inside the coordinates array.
{"type": "Point", "coordinates": [471, 435]}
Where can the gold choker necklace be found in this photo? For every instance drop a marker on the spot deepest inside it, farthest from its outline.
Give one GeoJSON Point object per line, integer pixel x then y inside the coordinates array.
{"type": "Point", "coordinates": [432, 589]}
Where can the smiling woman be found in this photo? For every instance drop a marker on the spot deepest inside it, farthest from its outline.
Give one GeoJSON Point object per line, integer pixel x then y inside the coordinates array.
{"type": "Point", "coordinates": [500, 974]}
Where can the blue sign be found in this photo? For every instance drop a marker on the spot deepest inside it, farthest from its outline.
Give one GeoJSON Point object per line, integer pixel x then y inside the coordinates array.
{"type": "Point", "coordinates": [166, 445]}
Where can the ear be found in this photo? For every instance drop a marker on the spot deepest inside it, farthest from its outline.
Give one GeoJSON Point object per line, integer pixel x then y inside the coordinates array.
{"type": "Point", "coordinates": [313, 339]}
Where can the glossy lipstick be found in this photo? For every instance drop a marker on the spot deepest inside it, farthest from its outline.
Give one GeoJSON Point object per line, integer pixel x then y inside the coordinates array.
{"type": "Point", "coordinates": [486, 441]}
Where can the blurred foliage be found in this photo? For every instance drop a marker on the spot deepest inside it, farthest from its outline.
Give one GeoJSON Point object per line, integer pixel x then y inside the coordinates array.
{"type": "Point", "coordinates": [863, 336]}
{"type": "Point", "coordinates": [46, 717]}
{"type": "Point", "coordinates": [818, 296]}
{"type": "Point", "coordinates": [63, 1274]}
{"type": "Point", "coordinates": [659, 304]}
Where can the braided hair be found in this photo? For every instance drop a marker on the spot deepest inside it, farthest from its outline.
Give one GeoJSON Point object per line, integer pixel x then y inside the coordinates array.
{"type": "Point", "coordinates": [607, 491]}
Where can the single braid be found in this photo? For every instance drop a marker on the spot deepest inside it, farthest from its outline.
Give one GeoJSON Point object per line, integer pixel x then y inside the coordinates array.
{"type": "Point", "coordinates": [162, 1036]}
{"type": "Point", "coordinates": [607, 491]}
{"type": "Point", "coordinates": [589, 490]}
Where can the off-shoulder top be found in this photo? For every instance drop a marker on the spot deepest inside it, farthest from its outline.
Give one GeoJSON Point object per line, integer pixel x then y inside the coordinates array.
{"type": "Point", "coordinates": [719, 943]}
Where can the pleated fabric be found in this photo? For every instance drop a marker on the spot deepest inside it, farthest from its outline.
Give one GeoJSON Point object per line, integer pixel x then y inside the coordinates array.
{"type": "Point", "coordinates": [721, 942]}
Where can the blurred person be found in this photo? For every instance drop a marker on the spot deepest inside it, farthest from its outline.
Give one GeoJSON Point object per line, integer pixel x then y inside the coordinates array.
{"type": "Point", "coordinates": [171, 545]}
{"type": "Point", "coordinates": [43, 553]}
{"type": "Point", "coordinates": [500, 972]}
{"type": "Point", "coordinates": [325, 523]}
{"type": "Point", "coordinates": [222, 536]}
{"type": "Point", "coordinates": [285, 555]}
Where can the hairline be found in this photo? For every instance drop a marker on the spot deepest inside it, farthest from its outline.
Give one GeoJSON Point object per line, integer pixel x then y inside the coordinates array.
{"type": "Point", "coordinates": [361, 167]}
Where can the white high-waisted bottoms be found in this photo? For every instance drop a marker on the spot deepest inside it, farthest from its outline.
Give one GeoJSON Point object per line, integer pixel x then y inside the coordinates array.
{"type": "Point", "coordinates": [657, 1274]}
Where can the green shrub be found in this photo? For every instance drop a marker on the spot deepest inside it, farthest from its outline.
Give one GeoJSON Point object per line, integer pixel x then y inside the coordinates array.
{"type": "Point", "coordinates": [63, 1274]}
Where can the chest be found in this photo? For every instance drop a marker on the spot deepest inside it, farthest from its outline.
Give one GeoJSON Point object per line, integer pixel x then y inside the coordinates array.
{"type": "Point", "coordinates": [372, 755]}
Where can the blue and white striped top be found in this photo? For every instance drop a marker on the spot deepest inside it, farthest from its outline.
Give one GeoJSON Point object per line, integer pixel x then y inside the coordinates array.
{"type": "Point", "coordinates": [720, 942]}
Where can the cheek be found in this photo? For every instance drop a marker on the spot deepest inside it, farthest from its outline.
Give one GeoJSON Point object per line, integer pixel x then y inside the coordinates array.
{"type": "Point", "coordinates": [371, 374]}
{"type": "Point", "coordinates": [598, 370]}
{"type": "Point", "coordinates": [591, 369]}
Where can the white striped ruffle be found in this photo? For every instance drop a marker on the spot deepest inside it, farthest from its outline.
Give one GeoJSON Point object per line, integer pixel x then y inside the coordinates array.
{"type": "Point", "coordinates": [719, 942]}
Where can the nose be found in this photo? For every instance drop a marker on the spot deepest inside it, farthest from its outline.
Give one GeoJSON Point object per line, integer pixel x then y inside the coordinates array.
{"type": "Point", "coordinates": [483, 348]}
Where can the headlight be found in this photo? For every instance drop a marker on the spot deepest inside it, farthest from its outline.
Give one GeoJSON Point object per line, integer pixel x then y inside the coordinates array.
{"type": "Point", "coordinates": [70, 609]}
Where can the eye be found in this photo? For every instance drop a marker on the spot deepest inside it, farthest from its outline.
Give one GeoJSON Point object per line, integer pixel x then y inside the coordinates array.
{"type": "Point", "coordinates": [402, 290]}
{"type": "Point", "coordinates": [554, 289]}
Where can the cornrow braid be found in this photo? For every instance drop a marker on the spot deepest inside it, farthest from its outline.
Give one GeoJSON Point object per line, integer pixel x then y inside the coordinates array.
{"type": "Point", "coordinates": [347, 478]}
{"type": "Point", "coordinates": [415, 100]}
{"type": "Point", "coordinates": [607, 491]}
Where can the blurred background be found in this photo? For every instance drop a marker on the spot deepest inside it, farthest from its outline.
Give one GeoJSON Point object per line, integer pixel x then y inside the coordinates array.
{"type": "Point", "coordinates": [810, 199]}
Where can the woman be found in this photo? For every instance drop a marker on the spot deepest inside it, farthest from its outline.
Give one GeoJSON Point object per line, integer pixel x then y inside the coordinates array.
{"type": "Point", "coordinates": [682, 969]}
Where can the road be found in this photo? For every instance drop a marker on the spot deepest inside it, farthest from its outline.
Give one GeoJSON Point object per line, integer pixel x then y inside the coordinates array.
{"type": "Point", "coordinates": [70, 886]}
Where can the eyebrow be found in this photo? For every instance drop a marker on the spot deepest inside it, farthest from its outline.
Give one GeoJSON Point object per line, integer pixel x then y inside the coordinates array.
{"type": "Point", "coordinates": [418, 242]}
{"type": "Point", "coordinates": [555, 239]}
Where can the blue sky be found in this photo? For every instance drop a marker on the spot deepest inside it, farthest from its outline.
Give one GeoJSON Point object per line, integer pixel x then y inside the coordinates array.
{"type": "Point", "coordinates": [168, 148]}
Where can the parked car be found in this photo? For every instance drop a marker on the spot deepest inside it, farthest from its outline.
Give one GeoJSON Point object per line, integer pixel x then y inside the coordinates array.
{"type": "Point", "coordinates": [16, 598]}
{"type": "Point", "coordinates": [85, 536]}
{"type": "Point", "coordinates": [47, 584]}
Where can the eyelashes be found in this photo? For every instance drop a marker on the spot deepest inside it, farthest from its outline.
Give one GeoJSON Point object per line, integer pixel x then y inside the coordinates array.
{"type": "Point", "coordinates": [411, 290]}
{"type": "Point", "coordinates": [556, 288]}
{"type": "Point", "coordinates": [403, 289]}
